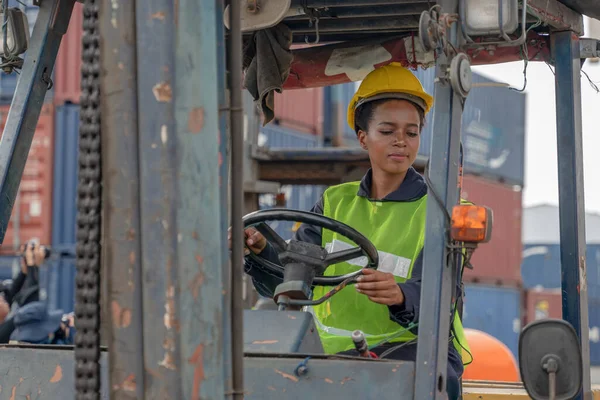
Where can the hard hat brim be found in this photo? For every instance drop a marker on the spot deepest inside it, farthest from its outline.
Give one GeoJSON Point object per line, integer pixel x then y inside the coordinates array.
{"type": "Point", "coordinates": [420, 99]}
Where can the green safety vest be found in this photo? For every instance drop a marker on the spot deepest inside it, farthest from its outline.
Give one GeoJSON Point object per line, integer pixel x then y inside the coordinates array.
{"type": "Point", "coordinates": [397, 229]}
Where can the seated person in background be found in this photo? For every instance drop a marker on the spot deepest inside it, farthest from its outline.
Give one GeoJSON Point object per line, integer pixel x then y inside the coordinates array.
{"type": "Point", "coordinates": [24, 289]}
{"type": "Point", "coordinates": [389, 207]}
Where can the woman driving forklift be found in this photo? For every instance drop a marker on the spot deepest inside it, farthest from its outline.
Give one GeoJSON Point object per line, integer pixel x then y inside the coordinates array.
{"type": "Point", "coordinates": [387, 206]}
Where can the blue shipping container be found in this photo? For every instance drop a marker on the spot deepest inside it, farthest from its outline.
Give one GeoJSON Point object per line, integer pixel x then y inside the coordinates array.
{"type": "Point", "coordinates": [493, 129]}
{"type": "Point", "coordinates": [59, 284]}
{"type": "Point", "coordinates": [59, 281]}
{"type": "Point", "coordinates": [495, 311]}
{"type": "Point", "coordinates": [594, 318]}
{"type": "Point", "coordinates": [541, 267]}
{"type": "Point", "coordinates": [280, 137]}
{"type": "Point", "coordinates": [64, 193]}
{"type": "Point", "coordinates": [8, 82]}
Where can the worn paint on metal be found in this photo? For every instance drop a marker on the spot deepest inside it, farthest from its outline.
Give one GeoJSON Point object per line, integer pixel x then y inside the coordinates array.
{"type": "Point", "coordinates": [565, 47]}
{"type": "Point", "coordinates": [483, 390]}
{"type": "Point", "coordinates": [198, 206]}
{"type": "Point", "coordinates": [158, 197]}
{"type": "Point", "coordinates": [43, 372]}
{"type": "Point", "coordinates": [309, 66]}
{"type": "Point", "coordinates": [438, 279]}
{"type": "Point", "coordinates": [557, 15]}
{"type": "Point", "coordinates": [224, 192]}
{"type": "Point", "coordinates": [274, 378]}
{"type": "Point", "coordinates": [123, 316]}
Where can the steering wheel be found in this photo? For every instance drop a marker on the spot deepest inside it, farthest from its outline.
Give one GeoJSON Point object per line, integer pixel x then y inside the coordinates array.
{"type": "Point", "coordinates": [304, 263]}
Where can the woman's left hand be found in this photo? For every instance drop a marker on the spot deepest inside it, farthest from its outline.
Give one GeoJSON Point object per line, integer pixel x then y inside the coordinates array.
{"type": "Point", "coordinates": [380, 287]}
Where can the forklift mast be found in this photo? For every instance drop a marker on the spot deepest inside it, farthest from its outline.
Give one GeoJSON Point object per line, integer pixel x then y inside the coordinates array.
{"type": "Point", "coordinates": [161, 137]}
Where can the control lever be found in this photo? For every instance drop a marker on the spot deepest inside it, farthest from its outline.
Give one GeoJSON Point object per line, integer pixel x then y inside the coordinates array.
{"type": "Point", "coordinates": [360, 343]}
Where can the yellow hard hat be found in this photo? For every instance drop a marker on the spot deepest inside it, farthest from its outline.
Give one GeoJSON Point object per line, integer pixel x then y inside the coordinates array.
{"type": "Point", "coordinates": [391, 81]}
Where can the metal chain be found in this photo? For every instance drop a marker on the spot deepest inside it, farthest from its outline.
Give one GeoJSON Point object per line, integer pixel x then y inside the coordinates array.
{"type": "Point", "coordinates": [87, 303]}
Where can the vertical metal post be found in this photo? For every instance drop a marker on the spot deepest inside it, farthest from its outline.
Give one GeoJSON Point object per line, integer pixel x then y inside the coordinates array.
{"type": "Point", "coordinates": [234, 54]}
{"type": "Point", "coordinates": [436, 291]}
{"type": "Point", "coordinates": [159, 200]}
{"type": "Point", "coordinates": [51, 24]}
{"type": "Point", "coordinates": [224, 187]}
{"type": "Point", "coordinates": [565, 46]}
{"type": "Point", "coordinates": [121, 201]}
{"type": "Point", "coordinates": [198, 204]}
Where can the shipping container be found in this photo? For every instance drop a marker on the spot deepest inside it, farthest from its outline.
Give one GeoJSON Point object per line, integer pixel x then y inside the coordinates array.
{"type": "Point", "coordinates": [32, 214]}
{"type": "Point", "coordinates": [493, 129]}
{"type": "Point", "coordinates": [541, 266]}
{"type": "Point", "coordinates": [496, 311]}
{"type": "Point", "coordinates": [594, 324]}
{"type": "Point", "coordinates": [281, 137]}
{"type": "Point", "coordinates": [426, 76]}
{"type": "Point", "coordinates": [499, 260]}
{"type": "Point", "coordinates": [67, 71]}
{"type": "Point", "coordinates": [59, 283]}
{"type": "Point", "coordinates": [8, 82]}
{"type": "Point", "coordinates": [541, 304]}
{"type": "Point", "coordinates": [297, 197]}
{"type": "Point", "coordinates": [336, 100]}
{"type": "Point", "coordinates": [300, 110]}
{"type": "Point", "coordinates": [64, 210]}
{"type": "Point", "coordinates": [548, 304]}
{"type": "Point", "coordinates": [59, 272]}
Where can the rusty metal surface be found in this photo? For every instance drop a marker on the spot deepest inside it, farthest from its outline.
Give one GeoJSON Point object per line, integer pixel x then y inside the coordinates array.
{"type": "Point", "coordinates": [123, 316]}
{"type": "Point", "coordinates": [314, 66]}
{"type": "Point", "coordinates": [45, 372]}
{"type": "Point", "coordinates": [556, 14]}
{"type": "Point", "coordinates": [224, 186]}
{"type": "Point", "coordinates": [198, 207]}
{"type": "Point", "coordinates": [274, 378]}
{"type": "Point", "coordinates": [318, 166]}
{"type": "Point", "coordinates": [42, 372]}
{"type": "Point", "coordinates": [155, 38]}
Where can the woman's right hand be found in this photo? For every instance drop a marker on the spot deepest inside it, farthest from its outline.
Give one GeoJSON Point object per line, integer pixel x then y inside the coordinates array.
{"type": "Point", "coordinates": [254, 241]}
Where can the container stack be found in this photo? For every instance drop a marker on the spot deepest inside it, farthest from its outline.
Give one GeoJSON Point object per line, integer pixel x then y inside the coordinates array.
{"type": "Point", "coordinates": [493, 137]}
{"type": "Point", "coordinates": [45, 209]}
{"type": "Point", "coordinates": [541, 269]}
